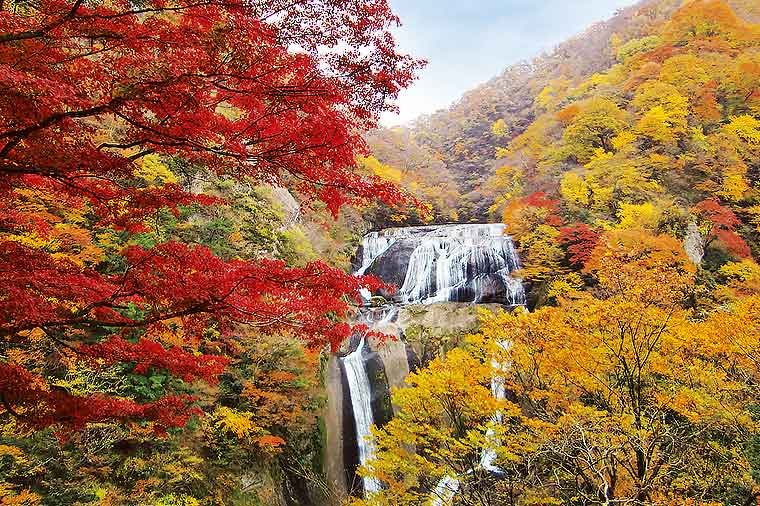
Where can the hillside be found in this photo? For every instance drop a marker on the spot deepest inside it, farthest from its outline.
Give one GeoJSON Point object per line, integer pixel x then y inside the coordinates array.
{"type": "Point", "coordinates": [465, 137]}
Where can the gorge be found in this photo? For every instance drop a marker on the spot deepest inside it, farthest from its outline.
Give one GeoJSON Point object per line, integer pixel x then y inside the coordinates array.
{"type": "Point", "coordinates": [442, 268]}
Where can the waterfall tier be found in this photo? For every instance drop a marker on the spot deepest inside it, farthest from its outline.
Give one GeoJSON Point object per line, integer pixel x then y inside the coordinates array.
{"type": "Point", "coordinates": [361, 403]}
{"type": "Point", "coordinates": [444, 263]}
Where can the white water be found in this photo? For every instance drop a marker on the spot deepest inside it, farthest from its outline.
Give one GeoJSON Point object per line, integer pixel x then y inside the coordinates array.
{"type": "Point", "coordinates": [448, 487]}
{"type": "Point", "coordinates": [361, 402]}
{"type": "Point", "coordinates": [499, 391]}
{"type": "Point", "coordinates": [445, 491]}
{"type": "Point", "coordinates": [448, 263]}
{"type": "Point", "coordinates": [375, 244]}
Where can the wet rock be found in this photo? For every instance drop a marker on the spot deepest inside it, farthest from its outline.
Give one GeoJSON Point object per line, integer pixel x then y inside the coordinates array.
{"type": "Point", "coordinates": [460, 263]}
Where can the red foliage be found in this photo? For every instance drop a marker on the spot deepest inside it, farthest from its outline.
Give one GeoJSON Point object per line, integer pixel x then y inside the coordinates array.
{"type": "Point", "coordinates": [174, 280]}
{"type": "Point", "coordinates": [147, 354]}
{"type": "Point", "coordinates": [733, 243]}
{"type": "Point", "coordinates": [37, 406]}
{"type": "Point", "coordinates": [165, 80]}
{"type": "Point", "coordinates": [91, 88]}
{"type": "Point", "coordinates": [720, 216]}
{"type": "Point", "coordinates": [579, 240]}
{"type": "Point", "coordinates": [539, 199]}
{"type": "Point", "coordinates": [723, 223]}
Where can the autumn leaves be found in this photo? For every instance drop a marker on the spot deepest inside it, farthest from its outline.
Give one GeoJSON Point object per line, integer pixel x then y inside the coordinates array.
{"type": "Point", "coordinates": [617, 394]}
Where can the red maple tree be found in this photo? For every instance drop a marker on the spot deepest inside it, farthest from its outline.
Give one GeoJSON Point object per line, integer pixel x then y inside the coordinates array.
{"type": "Point", "coordinates": [579, 240]}
{"type": "Point", "coordinates": [274, 90]}
{"type": "Point", "coordinates": [721, 222]}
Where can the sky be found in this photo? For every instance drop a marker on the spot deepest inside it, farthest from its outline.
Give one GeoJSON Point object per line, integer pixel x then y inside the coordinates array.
{"type": "Point", "coordinates": [467, 42]}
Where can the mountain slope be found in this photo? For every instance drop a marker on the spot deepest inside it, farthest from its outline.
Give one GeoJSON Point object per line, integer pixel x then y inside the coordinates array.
{"type": "Point", "coordinates": [463, 136]}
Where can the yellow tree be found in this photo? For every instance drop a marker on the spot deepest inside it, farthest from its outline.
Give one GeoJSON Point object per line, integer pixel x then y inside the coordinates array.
{"type": "Point", "coordinates": [593, 128]}
{"type": "Point", "coordinates": [638, 406]}
{"type": "Point", "coordinates": [439, 432]}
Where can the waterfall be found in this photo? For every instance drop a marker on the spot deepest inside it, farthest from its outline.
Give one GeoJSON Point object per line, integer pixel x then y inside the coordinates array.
{"type": "Point", "coordinates": [361, 403]}
{"type": "Point", "coordinates": [458, 263]}
{"type": "Point", "coordinates": [374, 244]}
{"type": "Point", "coordinates": [447, 488]}
{"type": "Point", "coordinates": [499, 391]}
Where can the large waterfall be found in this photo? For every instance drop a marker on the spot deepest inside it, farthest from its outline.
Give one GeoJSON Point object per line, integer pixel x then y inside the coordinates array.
{"type": "Point", "coordinates": [429, 264]}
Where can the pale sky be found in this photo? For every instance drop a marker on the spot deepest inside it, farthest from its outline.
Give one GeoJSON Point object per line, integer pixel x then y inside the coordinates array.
{"type": "Point", "coordinates": [467, 42]}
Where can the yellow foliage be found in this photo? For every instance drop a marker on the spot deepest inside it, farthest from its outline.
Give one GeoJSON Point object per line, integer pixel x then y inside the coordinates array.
{"type": "Point", "coordinates": [541, 254]}
{"type": "Point", "coordinates": [665, 111]}
{"type": "Point", "coordinates": [499, 128]}
{"type": "Point", "coordinates": [593, 129]}
{"type": "Point", "coordinates": [635, 47]}
{"type": "Point", "coordinates": [741, 278]}
{"type": "Point", "coordinates": [599, 155]}
{"type": "Point", "coordinates": [754, 214]}
{"type": "Point", "coordinates": [507, 184]}
{"type": "Point", "coordinates": [656, 126]}
{"type": "Point", "coordinates": [15, 453]}
{"type": "Point", "coordinates": [686, 73]}
{"type": "Point", "coordinates": [574, 189]}
{"type": "Point", "coordinates": [744, 270]}
{"type": "Point", "coordinates": [734, 184]}
{"type": "Point", "coordinates": [445, 412]}
{"type": "Point", "coordinates": [566, 285]}
{"type": "Point", "coordinates": [177, 500]}
{"type": "Point", "coordinates": [153, 170]}
{"type": "Point", "coordinates": [605, 370]}
{"type": "Point", "coordinates": [623, 139]}
{"type": "Point", "coordinates": [381, 170]}
{"type": "Point", "coordinates": [553, 94]}
{"type": "Point", "coordinates": [237, 422]}
{"type": "Point", "coordinates": [638, 264]}
{"type": "Point", "coordinates": [644, 215]}
{"type": "Point", "coordinates": [746, 127]}
{"type": "Point", "coordinates": [657, 93]}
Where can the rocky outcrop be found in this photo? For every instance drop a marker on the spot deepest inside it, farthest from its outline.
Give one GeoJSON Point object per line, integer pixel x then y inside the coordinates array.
{"type": "Point", "coordinates": [335, 424]}
{"type": "Point", "coordinates": [431, 330]}
{"type": "Point", "coordinates": [291, 209]}
{"type": "Point", "coordinates": [694, 244]}
{"type": "Point", "coordinates": [391, 265]}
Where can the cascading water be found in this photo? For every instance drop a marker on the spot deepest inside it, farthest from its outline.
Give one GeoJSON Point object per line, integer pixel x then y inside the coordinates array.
{"type": "Point", "coordinates": [361, 403]}
{"type": "Point", "coordinates": [373, 245]}
{"type": "Point", "coordinates": [457, 263]}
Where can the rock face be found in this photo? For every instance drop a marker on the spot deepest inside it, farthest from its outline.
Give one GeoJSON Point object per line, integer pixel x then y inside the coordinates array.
{"type": "Point", "coordinates": [290, 207]}
{"type": "Point", "coordinates": [694, 244]}
{"type": "Point", "coordinates": [444, 263]}
{"type": "Point", "coordinates": [335, 461]}
{"type": "Point", "coordinates": [418, 333]}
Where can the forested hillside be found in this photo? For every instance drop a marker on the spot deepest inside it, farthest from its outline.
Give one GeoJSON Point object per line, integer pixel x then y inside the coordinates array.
{"type": "Point", "coordinates": [466, 136]}
{"type": "Point", "coordinates": [184, 187]}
